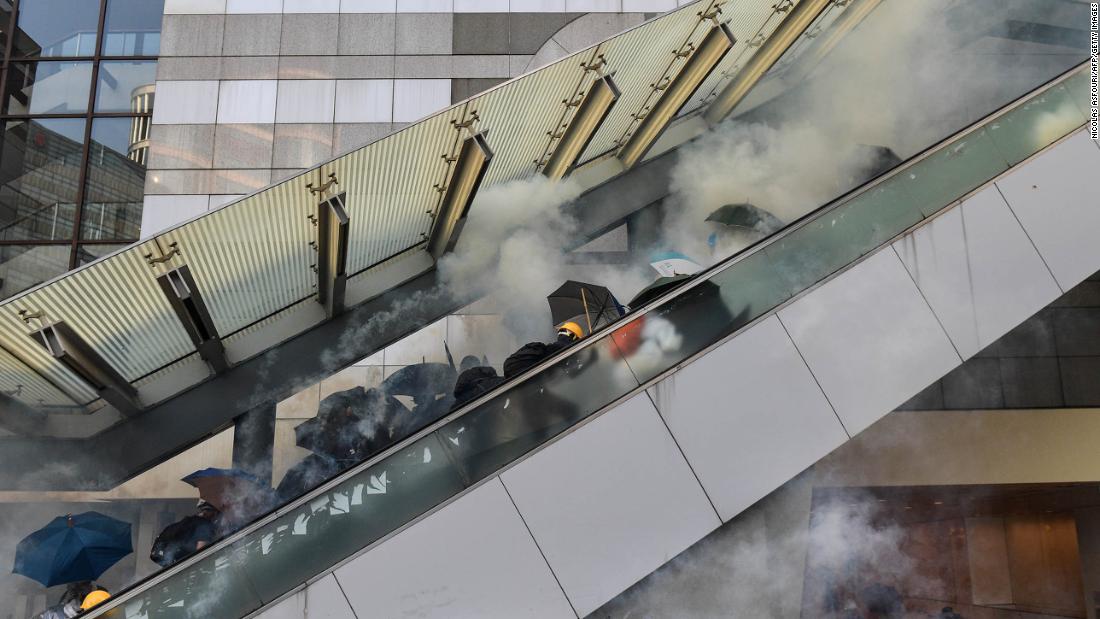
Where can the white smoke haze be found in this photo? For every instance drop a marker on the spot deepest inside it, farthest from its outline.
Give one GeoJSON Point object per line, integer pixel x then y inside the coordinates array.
{"type": "Point", "coordinates": [777, 559]}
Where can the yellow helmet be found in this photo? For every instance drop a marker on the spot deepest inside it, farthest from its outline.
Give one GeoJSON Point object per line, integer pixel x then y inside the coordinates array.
{"type": "Point", "coordinates": [572, 329]}
{"type": "Point", "coordinates": [95, 598]}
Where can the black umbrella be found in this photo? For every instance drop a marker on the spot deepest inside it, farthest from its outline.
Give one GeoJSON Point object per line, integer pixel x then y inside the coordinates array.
{"type": "Point", "coordinates": [349, 424]}
{"type": "Point", "coordinates": [745, 215]}
{"type": "Point", "coordinates": [656, 289]}
{"type": "Point", "coordinates": [589, 302]}
{"type": "Point", "coordinates": [421, 379]}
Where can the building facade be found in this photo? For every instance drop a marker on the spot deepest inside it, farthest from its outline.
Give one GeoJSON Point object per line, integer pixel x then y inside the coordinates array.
{"type": "Point", "coordinates": [253, 92]}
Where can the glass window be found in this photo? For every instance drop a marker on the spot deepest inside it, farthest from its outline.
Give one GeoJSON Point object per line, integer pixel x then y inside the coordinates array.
{"type": "Point", "coordinates": [115, 181]}
{"type": "Point", "coordinates": [26, 266]}
{"type": "Point", "coordinates": [56, 28]}
{"type": "Point", "coordinates": [91, 253]}
{"type": "Point", "coordinates": [122, 84]}
{"type": "Point", "coordinates": [5, 20]}
{"type": "Point", "coordinates": [133, 27]}
{"type": "Point", "coordinates": [48, 88]}
{"type": "Point", "coordinates": [39, 177]}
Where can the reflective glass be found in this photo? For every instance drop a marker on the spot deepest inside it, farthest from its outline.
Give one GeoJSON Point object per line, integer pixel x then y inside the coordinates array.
{"type": "Point", "coordinates": [5, 21]}
{"type": "Point", "coordinates": [39, 178]}
{"type": "Point", "coordinates": [115, 182]}
{"type": "Point", "coordinates": [122, 84]}
{"type": "Point", "coordinates": [313, 537]}
{"type": "Point", "coordinates": [56, 28]}
{"type": "Point", "coordinates": [133, 27]}
{"type": "Point", "coordinates": [948, 174]}
{"type": "Point", "coordinates": [91, 253]}
{"type": "Point", "coordinates": [48, 88]}
{"type": "Point", "coordinates": [531, 413]}
{"type": "Point", "coordinates": [214, 587]}
{"type": "Point", "coordinates": [26, 266]}
{"type": "Point", "coordinates": [1078, 88]}
{"type": "Point", "coordinates": [1040, 121]}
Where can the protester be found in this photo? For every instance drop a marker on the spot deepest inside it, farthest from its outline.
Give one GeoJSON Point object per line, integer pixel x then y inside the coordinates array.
{"type": "Point", "coordinates": [77, 598]}
{"type": "Point", "coordinates": [180, 540]}
{"type": "Point", "coordinates": [95, 598]}
{"type": "Point", "coordinates": [530, 354]}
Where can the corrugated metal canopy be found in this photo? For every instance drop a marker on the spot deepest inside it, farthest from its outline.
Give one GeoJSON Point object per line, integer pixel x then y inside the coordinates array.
{"type": "Point", "coordinates": [254, 260]}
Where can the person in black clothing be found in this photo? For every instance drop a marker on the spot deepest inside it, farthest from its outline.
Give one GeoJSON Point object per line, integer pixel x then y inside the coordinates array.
{"type": "Point", "coordinates": [180, 540]}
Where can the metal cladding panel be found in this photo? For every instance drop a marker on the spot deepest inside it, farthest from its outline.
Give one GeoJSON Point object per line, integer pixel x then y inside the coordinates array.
{"type": "Point", "coordinates": [253, 259]}
{"type": "Point", "coordinates": [119, 310]}
{"type": "Point", "coordinates": [27, 386]}
{"type": "Point", "coordinates": [638, 59]}
{"type": "Point", "coordinates": [751, 23]}
{"type": "Point", "coordinates": [390, 187]}
{"type": "Point", "coordinates": [805, 41]}
{"type": "Point", "coordinates": [518, 120]}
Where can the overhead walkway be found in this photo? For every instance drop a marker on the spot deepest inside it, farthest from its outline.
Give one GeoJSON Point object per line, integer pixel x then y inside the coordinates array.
{"type": "Point", "coordinates": [160, 345]}
{"type": "Point", "coordinates": [558, 490]}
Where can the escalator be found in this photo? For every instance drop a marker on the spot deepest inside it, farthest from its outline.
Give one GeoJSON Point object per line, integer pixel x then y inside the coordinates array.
{"type": "Point", "coordinates": [781, 286]}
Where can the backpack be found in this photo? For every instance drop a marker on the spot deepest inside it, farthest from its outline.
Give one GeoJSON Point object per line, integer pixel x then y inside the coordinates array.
{"type": "Point", "coordinates": [178, 540]}
{"type": "Point", "coordinates": [527, 356]}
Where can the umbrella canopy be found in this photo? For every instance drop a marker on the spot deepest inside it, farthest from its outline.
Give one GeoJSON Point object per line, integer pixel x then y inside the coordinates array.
{"type": "Point", "coordinates": [656, 289]}
{"type": "Point", "coordinates": [594, 305]}
{"type": "Point", "coordinates": [747, 216]}
{"type": "Point", "coordinates": [350, 424]}
{"type": "Point", "coordinates": [421, 380]}
{"type": "Point", "coordinates": [73, 548]}
{"type": "Point", "coordinates": [225, 487]}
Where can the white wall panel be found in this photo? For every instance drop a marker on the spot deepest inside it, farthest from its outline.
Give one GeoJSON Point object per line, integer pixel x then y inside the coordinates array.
{"type": "Point", "coordinates": [306, 101]}
{"type": "Point", "coordinates": [424, 6]}
{"type": "Point", "coordinates": [593, 6]}
{"type": "Point", "coordinates": [364, 101]}
{"type": "Point", "coordinates": [648, 6]}
{"type": "Point", "coordinates": [978, 270]}
{"type": "Point", "coordinates": [610, 503]}
{"type": "Point", "coordinates": [473, 558]}
{"type": "Point", "coordinates": [254, 6]}
{"type": "Point", "coordinates": [320, 600]}
{"type": "Point", "coordinates": [186, 103]}
{"type": "Point", "coordinates": [1056, 200]}
{"type": "Point", "coordinates": [749, 416]}
{"type": "Point", "coordinates": [415, 99]}
{"type": "Point", "coordinates": [246, 101]}
{"type": "Point", "coordinates": [172, 7]}
{"type": "Point", "coordinates": [480, 6]}
{"type": "Point", "coordinates": [537, 6]}
{"type": "Point", "coordinates": [311, 6]}
{"type": "Point", "coordinates": [162, 212]}
{"type": "Point", "coordinates": [869, 339]}
{"type": "Point", "coordinates": [368, 6]}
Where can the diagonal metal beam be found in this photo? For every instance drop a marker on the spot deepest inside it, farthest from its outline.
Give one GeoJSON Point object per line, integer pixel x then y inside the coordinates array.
{"type": "Point", "coordinates": [799, 19]}
{"type": "Point", "coordinates": [75, 353]}
{"type": "Point", "coordinates": [186, 300]}
{"type": "Point", "coordinates": [333, 226]}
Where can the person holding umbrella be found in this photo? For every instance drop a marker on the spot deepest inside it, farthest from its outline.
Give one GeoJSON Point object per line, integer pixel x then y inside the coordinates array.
{"type": "Point", "coordinates": [73, 550]}
{"type": "Point", "coordinates": [237, 495]}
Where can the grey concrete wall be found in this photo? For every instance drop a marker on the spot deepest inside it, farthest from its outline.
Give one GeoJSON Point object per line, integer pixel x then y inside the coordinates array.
{"type": "Point", "coordinates": [252, 91]}
{"type": "Point", "coordinates": [1051, 360]}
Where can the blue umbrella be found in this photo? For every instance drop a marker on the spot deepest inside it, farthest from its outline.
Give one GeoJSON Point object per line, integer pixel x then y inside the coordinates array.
{"type": "Point", "coordinates": [73, 548]}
